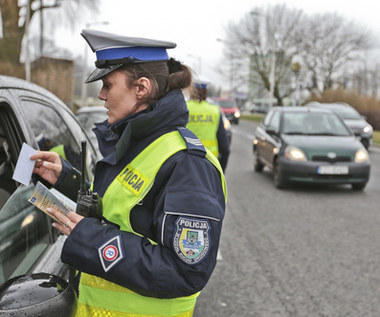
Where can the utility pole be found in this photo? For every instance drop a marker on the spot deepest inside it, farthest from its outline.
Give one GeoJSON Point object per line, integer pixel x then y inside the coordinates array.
{"type": "Point", "coordinates": [27, 51]}
{"type": "Point", "coordinates": [272, 79]}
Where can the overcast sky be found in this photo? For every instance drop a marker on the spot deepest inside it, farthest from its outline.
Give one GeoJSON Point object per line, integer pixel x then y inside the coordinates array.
{"type": "Point", "coordinates": [196, 25]}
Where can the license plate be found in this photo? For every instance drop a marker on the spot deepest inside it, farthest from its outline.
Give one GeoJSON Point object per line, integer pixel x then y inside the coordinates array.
{"type": "Point", "coordinates": [333, 170]}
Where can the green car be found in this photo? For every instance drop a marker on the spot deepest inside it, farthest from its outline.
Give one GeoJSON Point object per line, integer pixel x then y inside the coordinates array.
{"type": "Point", "coordinates": [309, 145]}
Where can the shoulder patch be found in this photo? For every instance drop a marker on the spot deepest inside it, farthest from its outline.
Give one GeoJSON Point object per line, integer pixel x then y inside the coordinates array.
{"type": "Point", "coordinates": [192, 142]}
{"type": "Point", "coordinates": [110, 253]}
{"type": "Point", "coordinates": [191, 239]}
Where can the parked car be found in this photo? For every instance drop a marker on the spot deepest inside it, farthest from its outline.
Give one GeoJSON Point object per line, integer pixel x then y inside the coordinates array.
{"type": "Point", "coordinates": [310, 145]}
{"type": "Point", "coordinates": [357, 123]}
{"type": "Point", "coordinates": [88, 116]}
{"type": "Point", "coordinates": [230, 109]}
{"type": "Point", "coordinates": [31, 114]}
{"type": "Point", "coordinates": [259, 109]}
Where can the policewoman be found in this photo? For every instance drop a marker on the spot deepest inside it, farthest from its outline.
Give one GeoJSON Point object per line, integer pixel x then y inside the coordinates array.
{"type": "Point", "coordinates": [163, 193]}
{"type": "Point", "coordinates": [206, 123]}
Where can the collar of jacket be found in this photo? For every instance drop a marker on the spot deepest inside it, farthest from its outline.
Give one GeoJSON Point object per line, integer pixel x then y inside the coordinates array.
{"type": "Point", "coordinates": [170, 110]}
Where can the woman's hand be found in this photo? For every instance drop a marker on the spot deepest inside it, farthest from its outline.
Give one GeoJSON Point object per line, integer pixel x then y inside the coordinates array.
{"type": "Point", "coordinates": [48, 165]}
{"type": "Point", "coordinates": [68, 221]}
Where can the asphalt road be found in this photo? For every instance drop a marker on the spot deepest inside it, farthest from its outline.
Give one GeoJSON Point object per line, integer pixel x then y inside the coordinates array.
{"type": "Point", "coordinates": [304, 251]}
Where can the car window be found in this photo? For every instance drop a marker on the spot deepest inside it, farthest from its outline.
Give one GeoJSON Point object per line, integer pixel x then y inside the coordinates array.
{"type": "Point", "coordinates": [313, 123]}
{"type": "Point", "coordinates": [24, 234]}
{"type": "Point", "coordinates": [348, 113]}
{"type": "Point", "coordinates": [274, 123]}
{"type": "Point", "coordinates": [52, 132]}
{"type": "Point", "coordinates": [88, 119]}
{"type": "Point", "coordinates": [267, 118]}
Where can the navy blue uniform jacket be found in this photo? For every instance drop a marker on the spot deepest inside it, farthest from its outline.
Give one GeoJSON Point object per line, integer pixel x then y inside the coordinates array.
{"type": "Point", "coordinates": [187, 186]}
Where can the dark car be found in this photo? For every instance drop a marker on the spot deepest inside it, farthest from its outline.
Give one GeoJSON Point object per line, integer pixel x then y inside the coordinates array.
{"type": "Point", "coordinates": [31, 114]}
{"type": "Point", "coordinates": [309, 145]}
{"type": "Point", "coordinates": [230, 109]}
{"type": "Point", "coordinates": [88, 116]}
{"type": "Point", "coordinates": [361, 128]}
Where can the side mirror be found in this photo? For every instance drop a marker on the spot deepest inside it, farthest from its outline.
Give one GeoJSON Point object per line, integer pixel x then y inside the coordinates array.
{"type": "Point", "coordinates": [38, 294]}
{"type": "Point", "coordinates": [271, 131]}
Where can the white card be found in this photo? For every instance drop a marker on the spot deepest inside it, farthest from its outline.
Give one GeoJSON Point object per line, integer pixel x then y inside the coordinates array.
{"type": "Point", "coordinates": [24, 167]}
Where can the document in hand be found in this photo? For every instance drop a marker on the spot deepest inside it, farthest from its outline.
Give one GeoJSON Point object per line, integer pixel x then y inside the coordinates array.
{"type": "Point", "coordinates": [44, 198]}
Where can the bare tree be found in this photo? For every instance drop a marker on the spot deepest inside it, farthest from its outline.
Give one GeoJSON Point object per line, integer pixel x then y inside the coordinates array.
{"type": "Point", "coordinates": [330, 44]}
{"type": "Point", "coordinates": [264, 39]}
{"type": "Point", "coordinates": [13, 19]}
{"type": "Point", "coordinates": [325, 46]}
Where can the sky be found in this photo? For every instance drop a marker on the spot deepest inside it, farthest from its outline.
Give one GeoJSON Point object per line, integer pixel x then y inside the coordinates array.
{"type": "Point", "coordinates": [196, 25]}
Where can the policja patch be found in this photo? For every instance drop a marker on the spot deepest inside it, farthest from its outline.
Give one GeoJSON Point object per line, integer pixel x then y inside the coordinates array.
{"type": "Point", "coordinates": [110, 253]}
{"type": "Point", "coordinates": [191, 239]}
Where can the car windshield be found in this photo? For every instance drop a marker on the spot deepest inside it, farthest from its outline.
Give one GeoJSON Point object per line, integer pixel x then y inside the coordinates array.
{"type": "Point", "coordinates": [347, 113]}
{"type": "Point", "coordinates": [309, 123]}
{"type": "Point", "coordinates": [227, 103]}
{"type": "Point", "coordinates": [87, 119]}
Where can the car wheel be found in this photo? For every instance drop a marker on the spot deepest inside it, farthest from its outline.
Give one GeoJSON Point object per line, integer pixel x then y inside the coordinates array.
{"type": "Point", "coordinates": [358, 186]}
{"type": "Point", "coordinates": [257, 165]}
{"type": "Point", "coordinates": [277, 175]}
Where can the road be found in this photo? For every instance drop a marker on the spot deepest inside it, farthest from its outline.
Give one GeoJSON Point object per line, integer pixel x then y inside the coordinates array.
{"type": "Point", "coordinates": [304, 251]}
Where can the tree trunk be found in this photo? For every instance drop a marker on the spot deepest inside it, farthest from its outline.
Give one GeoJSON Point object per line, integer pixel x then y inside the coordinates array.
{"type": "Point", "coordinates": [10, 44]}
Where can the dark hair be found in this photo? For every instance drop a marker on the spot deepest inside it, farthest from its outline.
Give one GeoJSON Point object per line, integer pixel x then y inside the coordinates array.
{"type": "Point", "coordinates": [163, 75]}
{"type": "Point", "coordinates": [199, 94]}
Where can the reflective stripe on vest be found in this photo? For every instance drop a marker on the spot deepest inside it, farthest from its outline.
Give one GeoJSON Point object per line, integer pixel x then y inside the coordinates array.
{"type": "Point", "coordinates": [204, 122]}
{"type": "Point", "coordinates": [99, 297]}
{"type": "Point", "coordinates": [60, 150]}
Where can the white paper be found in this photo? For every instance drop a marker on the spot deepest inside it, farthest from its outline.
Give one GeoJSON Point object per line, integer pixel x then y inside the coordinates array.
{"type": "Point", "coordinates": [24, 166]}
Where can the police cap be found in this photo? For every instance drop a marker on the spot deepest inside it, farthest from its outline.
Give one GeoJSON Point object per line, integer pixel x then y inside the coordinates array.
{"type": "Point", "coordinates": [200, 83]}
{"type": "Point", "coordinates": [113, 51]}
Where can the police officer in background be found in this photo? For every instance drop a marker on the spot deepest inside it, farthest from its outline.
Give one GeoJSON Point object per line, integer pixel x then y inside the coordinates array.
{"type": "Point", "coordinates": [163, 194]}
{"type": "Point", "coordinates": [206, 122]}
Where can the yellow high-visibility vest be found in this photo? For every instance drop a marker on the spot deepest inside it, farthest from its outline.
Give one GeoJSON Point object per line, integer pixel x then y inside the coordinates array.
{"type": "Point", "coordinates": [99, 297]}
{"type": "Point", "coordinates": [204, 122]}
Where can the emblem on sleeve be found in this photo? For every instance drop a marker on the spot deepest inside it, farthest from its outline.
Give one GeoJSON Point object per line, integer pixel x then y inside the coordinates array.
{"type": "Point", "coordinates": [191, 239]}
{"type": "Point", "coordinates": [110, 253]}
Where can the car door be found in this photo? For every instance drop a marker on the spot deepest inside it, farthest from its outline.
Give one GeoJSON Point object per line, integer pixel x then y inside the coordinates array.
{"type": "Point", "coordinates": [28, 243]}
{"type": "Point", "coordinates": [271, 138]}
{"type": "Point", "coordinates": [261, 134]}
{"type": "Point", "coordinates": [25, 232]}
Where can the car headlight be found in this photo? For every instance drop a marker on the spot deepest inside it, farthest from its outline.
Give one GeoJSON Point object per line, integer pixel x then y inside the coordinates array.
{"type": "Point", "coordinates": [237, 114]}
{"type": "Point", "coordinates": [361, 156]}
{"type": "Point", "coordinates": [227, 124]}
{"type": "Point", "coordinates": [367, 129]}
{"type": "Point", "coordinates": [295, 154]}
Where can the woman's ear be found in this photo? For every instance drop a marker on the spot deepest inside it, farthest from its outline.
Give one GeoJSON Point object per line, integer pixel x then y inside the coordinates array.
{"type": "Point", "coordinates": [143, 87]}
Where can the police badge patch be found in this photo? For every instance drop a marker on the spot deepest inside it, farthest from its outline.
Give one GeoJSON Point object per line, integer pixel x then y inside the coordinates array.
{"type": "Point", "coordinates": [110, 253]}
{"type": "Point", "coordinates": [191, 239]}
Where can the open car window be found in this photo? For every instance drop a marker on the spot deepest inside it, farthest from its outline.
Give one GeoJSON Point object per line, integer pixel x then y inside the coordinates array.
{"type": "Point", "coordinates": [24, 234]}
